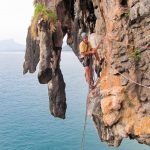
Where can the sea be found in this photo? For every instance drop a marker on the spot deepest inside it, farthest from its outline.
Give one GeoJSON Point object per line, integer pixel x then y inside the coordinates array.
{"type": "Point", "coordinates": [25, 120]}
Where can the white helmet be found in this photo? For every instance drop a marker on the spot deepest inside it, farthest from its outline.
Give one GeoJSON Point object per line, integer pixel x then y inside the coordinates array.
{"type": "Point", "coordinates": [83, 35]}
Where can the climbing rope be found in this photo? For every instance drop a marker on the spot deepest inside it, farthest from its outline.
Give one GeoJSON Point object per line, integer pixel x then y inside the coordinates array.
{"type": "Point", "coordinates": [85, 119]}
{"type": "Point", "coordinates": [128, 78]}
{"type": "Point", "coordinates": [111, 69]}
{"type": "Point", "coordinates": [84, 127]}
{"type": "Point", "coordinates": [132, 80]}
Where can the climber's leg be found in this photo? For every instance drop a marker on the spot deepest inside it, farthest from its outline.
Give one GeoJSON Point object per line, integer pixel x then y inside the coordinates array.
{"type": "Point", "coordinates": [87, 74]}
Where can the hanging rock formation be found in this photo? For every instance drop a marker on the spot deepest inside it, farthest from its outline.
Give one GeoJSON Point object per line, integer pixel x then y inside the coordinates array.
{"type": "Point", "coordinates": [32, 54]}
{"type": "Point", "coordinates": [120, 103]}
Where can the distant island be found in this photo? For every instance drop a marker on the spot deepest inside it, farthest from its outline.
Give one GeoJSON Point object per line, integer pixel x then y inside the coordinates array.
{"type": "Point", "coordinates": [11, 46]}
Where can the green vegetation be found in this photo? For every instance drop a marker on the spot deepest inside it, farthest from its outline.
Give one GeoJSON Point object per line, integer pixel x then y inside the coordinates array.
{"type": "Point", "coordinates": [100, 113]}
{"type": "Point", "coordinates": [40, 12]}
{"type": "Point", "coordinates": [47, 15]}
{"type": "Point", "coordinates": [127, 15]}
{"type": "Point", "coordinates": [127, 98]}
{"type": "Point", "coordinates": [136, 54]}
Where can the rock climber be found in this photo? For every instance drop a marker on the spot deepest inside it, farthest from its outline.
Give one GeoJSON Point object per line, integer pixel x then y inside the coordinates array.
{"type": "Point", "coordinates": [86, 52]}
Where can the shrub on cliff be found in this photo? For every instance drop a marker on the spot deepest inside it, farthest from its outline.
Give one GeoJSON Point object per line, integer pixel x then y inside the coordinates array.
{"type": "Point", "coordinates": [41, 12]}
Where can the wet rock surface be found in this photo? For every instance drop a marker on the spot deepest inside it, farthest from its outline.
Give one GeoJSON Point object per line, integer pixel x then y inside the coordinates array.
{"type": "Point", "coordinates": [120, 103]}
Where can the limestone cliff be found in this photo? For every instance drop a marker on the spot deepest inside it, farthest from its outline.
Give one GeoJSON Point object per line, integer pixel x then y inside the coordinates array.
{"type": "Point", "coordinates": [120, 103]}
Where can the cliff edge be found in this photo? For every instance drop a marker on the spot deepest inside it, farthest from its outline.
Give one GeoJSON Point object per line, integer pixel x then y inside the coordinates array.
{"type": "Point", "coordinates": [119, 105]}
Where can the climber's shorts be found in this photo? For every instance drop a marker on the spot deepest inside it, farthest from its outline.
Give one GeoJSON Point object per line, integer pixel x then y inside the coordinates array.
{"type": "Point", "coordinates": [85, 61]}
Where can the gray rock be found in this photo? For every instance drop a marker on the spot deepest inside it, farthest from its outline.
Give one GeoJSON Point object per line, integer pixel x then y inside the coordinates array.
{"type": "Point", "coordinates": [134, 11]}
{"type": "Point", "coordinates": [133, 2]}
{"type": "Point", "coordinates": [144, 68]}
{"type": "Point", "coordinates": [115, 52]}
{"type": "Point", "coordinates": [144, 8]}
{"type": "Point", "coordinates": [122, 51]}
{"type": "Point", "coordinates": [141, 64]}
{"type": "Point", "coordinates": [121, 70]}
{"type": "Point", "coordinates": [32, 54]}
{"type": "Point", "coordinates": [140, 9]}
{"type": "Point", "coordinates": [143, 98]}
{"type": "Point", "coordinates": [128, 66]}
{"type": "Point", "coordinates": [144, 48]}
{"type": "Point", "coordinates": [114, 65]}
{"type": "Point", "coordinates": [124, 81]}
{"type": "Point", "coordinates": [45, 76]}
{"type": "Point", "coordinates": [146, 82]}
{"type": "Point", "coordinates": [124, 59]}
{"type": "Point", "coordinates": [57, 95]}
{"type": "Point", "coordinates": [49, 69]}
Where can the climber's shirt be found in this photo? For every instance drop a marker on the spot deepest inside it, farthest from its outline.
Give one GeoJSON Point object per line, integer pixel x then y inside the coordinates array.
{"type": "Point", "coordinates": [84, 47]}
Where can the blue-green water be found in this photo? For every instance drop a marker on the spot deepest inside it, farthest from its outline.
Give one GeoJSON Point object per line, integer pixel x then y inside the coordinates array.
{"type": "Point", "coordinates": [25, 121]}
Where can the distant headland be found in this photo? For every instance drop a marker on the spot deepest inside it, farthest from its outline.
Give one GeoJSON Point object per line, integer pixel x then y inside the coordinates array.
{"type": "Point", "coordinates": [9, 45]}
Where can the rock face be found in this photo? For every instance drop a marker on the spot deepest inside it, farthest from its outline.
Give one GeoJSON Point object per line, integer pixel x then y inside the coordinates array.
{"type": "Point", "coordinates": [32, 54]}
{"type": "Point", "coordinates": [121, 107]}
{"type": "Point", "coordinates": [120, 103]}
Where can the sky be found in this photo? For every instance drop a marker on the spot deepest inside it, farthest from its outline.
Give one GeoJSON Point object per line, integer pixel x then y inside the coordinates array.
{"type": "Point", "coordinates": [15, 17]}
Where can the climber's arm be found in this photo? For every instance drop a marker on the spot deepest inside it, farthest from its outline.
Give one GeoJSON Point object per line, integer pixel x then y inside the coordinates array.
{"type": "Point", "coordinates": [87, 53]}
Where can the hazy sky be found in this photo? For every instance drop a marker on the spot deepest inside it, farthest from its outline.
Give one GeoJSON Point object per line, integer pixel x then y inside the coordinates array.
{"type": "Point", "coordinates": [15, 17]}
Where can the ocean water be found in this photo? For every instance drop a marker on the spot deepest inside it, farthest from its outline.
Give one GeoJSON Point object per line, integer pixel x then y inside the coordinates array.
{"type": "Point", "coordinates": [25, 121]}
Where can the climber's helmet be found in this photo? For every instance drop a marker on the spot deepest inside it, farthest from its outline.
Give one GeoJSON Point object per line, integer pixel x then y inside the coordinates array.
{"type": "Point", "coordinates": [84, 35]}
